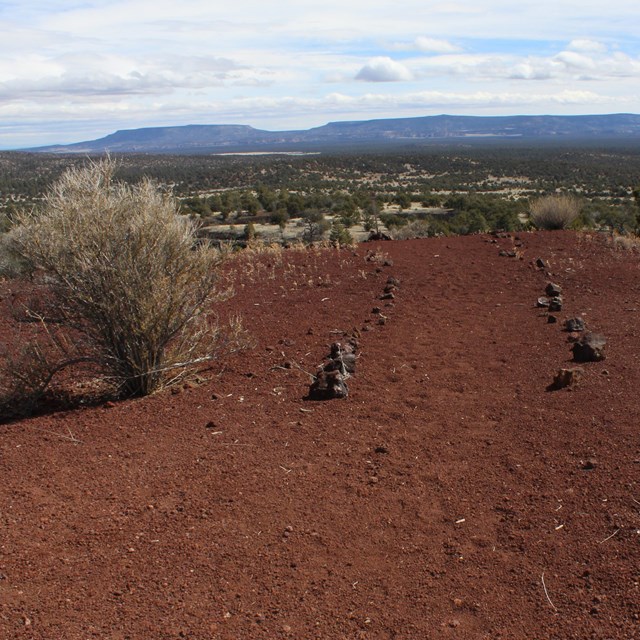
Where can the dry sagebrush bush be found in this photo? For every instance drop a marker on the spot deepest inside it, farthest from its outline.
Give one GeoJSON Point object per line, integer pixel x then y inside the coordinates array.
{"type": "Point", "coordinates": [127, 275]}
{"type": "Point", "coordinates": [554, 212]}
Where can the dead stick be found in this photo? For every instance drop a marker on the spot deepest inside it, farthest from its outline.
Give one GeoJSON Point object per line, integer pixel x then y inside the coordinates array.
{"type": "Point", "coordinates": [546, 593]}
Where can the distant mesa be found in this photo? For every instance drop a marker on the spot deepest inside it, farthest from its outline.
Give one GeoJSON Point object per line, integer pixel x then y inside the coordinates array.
{"type": "Point", "coordinates": [219, 138]}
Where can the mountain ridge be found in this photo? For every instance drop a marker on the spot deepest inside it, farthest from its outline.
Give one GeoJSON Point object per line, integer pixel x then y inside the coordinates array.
{"type": "Point", "coordinates": [199, 138]}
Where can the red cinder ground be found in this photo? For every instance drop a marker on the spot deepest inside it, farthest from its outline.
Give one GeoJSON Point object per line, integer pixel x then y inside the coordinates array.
{"type": "Point", "coordinates": [451, 495]}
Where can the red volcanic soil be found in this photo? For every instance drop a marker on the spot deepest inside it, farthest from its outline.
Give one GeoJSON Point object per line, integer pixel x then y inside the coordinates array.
{"type": "Point", "coordinates": [450, 495]}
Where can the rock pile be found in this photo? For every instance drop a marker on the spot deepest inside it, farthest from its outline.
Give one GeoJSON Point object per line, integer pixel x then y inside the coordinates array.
{"type": "Point", "coordinates": [587, 346]}
{"type": "Point", "coordinates": [331, 381]}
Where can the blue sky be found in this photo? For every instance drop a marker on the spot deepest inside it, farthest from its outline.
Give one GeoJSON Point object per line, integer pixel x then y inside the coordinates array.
{"type": "Point", "coordinates": [72, 71]}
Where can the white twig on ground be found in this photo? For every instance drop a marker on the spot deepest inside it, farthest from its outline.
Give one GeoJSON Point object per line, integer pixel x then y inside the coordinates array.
{"type": "Point", "coordinates": [609, 537]}
{"type": "Point", "coordinates": [546, 593]}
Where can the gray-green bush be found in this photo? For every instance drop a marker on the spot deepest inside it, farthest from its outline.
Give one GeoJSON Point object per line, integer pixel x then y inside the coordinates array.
{"type": "Point", "coordinates": [127, 279]}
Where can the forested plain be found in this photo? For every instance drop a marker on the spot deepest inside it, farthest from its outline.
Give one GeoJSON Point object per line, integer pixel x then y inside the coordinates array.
{"type": "Point", "coordinates": [450, 188]}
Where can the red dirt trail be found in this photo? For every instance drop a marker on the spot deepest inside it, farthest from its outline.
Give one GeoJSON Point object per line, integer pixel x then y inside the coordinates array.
{"type": "Point", "coordinates": [451, 495]}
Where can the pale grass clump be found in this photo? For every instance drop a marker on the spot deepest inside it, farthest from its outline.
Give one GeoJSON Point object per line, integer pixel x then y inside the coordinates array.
{"type": "Point", "coordinates": [554, 212]}
{"type": "Point", "coordinates": [628, 242]}
{"type": "Point", "coordinates": [126, 278]}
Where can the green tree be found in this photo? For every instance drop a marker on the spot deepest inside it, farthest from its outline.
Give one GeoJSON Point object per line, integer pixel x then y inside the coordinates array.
{"type": "Point", "coordinates": [340, 235]}
{"type": "Point", "coordinates": [279, 217]}
{"type": "Point", "coordinates": [250, 203]}
{"type": "Point", "coordinates": [315, 226]}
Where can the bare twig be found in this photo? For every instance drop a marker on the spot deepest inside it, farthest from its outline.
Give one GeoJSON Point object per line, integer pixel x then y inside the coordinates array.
{"type": "Point", "coordinates": [546, 593]}
{"type": "Point", "coordinates": [295, 364]}
{"type": "Point", "coordinates": [64, 436]}
{"type": "Point", "coordinates": [609, 537]}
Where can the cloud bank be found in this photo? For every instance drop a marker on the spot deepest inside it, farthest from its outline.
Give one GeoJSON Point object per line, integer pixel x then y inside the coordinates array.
{"type": "Point", "coordinates": [75, 71]}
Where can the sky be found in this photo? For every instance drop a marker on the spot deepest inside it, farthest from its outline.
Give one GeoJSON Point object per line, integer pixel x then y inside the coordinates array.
{"type": "Point", "coordinates": [78, 70]}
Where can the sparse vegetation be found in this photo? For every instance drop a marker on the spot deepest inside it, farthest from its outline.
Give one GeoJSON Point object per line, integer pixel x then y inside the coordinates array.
{"type": "Point", "coordinates": [363, 188]}
{"type": "Point", "coordinates": [124, 286]}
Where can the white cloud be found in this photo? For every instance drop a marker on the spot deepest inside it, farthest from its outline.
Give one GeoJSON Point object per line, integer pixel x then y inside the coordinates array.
{"type": "Point", "coordinates": [383, 69]}
{"type": "Point", "coordinates": [434, 45]}
{"type": "Point", "coordinates": [575, 62]}
{"type": "Point", "coordinates": [426, 45]}
{"type": "Point", "coordinates": [586, 45]}
{"type": "Point", "coordinates": [157, 61]}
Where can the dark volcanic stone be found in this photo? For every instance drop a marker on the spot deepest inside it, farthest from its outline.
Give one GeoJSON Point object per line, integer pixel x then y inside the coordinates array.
{"type": "Point", "coordinates": [590, 348]}
{"type": "Point", "coordinates": [553, 290]}
{"type": "Point", "coordinates": [346, 363]}
{"type": "Point", "coordinates": [555, 304]}
{"type": "Point", "coordinates": [328, 385]}
{"type": "Point", "coordinates": [574, 324]}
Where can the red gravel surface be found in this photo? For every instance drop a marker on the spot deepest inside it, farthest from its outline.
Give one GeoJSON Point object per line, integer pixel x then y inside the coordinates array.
{"type": "Point", "coordinates": [450, 495]}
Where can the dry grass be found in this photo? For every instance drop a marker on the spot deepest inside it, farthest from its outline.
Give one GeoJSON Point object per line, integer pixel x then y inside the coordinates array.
{"type": "Point", "coordinates": [296, 266]}
{"type": "Point", "coordinates": [628, 242]}
{"type": "Point", "coordinates": [554, 212]}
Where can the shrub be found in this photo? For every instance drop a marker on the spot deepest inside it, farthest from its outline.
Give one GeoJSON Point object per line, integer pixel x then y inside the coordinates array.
{"type": "Point", "coordinates": [126, 277]}
{"type": "Point", "coordinates": [554, 212]}
{"type": "Point", "coordinates": [315, 226]}
{"type": "Point", "coordinates": [428, 228]}
{"type": "Point", "coordinates": [391, 220]}
{"type": "Point", "coordinates": [340, 235]}
{"type": "Point", "coordinates": [416, 229]}
{"type": "Point", "coordinates": [249, 232]}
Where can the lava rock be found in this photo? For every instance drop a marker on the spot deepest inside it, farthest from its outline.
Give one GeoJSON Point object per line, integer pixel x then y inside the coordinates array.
{"type": "Point", "coordinates": [353, 343]}
{"type": "Point", "coordinates": [567, 378]}
{"type": "Point", "coordinates": [345, 364]}
{"type": "Point", "coordinates": [338, 349]}
{"type": "Point", "coordinates": [590, 348]}
{"type": "Point", "coordinates": [555, 304]}
{"type": "Point", "coordinates": [378, 235]}
{"type": "Point", "coordinates": [574, 324]}
{"type": "Point", "coordinates": [328, 385]}
{"type": "Point", "coordinates": [541, 264]}
{"type": "Point", "coordinates": [553, 289]}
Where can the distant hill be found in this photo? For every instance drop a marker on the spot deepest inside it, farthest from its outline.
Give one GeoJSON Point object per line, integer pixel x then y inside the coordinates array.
{"type": "Point", "coordinates": [220, 138]}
